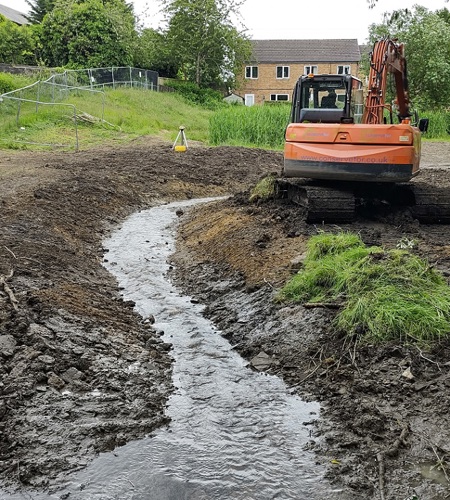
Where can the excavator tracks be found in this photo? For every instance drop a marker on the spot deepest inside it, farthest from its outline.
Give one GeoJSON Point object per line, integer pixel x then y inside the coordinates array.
{"type": "Point", "coordinates": [432, 203]}
{"type": "Point", "coordinates": [321, 203]}
{"type": "Point", "coordinates": [342, 203]}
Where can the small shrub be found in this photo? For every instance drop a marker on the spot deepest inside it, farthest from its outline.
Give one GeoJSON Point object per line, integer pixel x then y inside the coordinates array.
{"type": "Point", "coordinates": [9, 82]}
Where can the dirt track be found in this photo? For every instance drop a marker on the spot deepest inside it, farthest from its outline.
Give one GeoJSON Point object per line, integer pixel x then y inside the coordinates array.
{"type": "Point", "coordinates": [65, 332]}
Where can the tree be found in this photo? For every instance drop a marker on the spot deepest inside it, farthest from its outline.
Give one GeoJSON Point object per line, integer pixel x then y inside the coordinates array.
{"type": "Point", "coordinates": [38, 9]}
{"type": "Point", "coordinates": [90, 33]}
{"type": "Point", "coordinates": [205, 45]}
{"type": "Point", "coordinates": [426, 36]}
{"type": "Point", "coordinates": [152, 52]}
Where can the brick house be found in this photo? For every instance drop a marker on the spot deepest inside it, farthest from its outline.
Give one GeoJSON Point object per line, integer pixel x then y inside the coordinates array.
{"type": "Point", "coordinates": [276, 65]}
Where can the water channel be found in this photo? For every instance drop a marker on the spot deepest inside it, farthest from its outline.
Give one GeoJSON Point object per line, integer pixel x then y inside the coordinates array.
{"type": "Point", "coordinates": [235, 434]}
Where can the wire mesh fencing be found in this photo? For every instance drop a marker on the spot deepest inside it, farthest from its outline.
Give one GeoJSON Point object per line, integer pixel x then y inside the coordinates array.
{"type": "Point", "coordinates": [46, 96]}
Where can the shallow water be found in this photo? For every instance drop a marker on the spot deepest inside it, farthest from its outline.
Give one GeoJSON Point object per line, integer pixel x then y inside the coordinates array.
{"type": "Point", "coordinates": [234, 433]}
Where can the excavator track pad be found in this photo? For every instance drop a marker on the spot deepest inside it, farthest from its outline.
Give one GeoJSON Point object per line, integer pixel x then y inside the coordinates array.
{"type": "Point", "coordinates": [340, 203]}
{"type": "Point", "coordinates": [322, 203]}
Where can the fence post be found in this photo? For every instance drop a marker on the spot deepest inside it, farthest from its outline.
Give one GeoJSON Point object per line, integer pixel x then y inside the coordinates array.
{"type": "Point", "coordinates": [38, 95]}
{"type": "Point", "coordinates": [18, 113]}
{"type": "Point", "coordinates": [76, 128]}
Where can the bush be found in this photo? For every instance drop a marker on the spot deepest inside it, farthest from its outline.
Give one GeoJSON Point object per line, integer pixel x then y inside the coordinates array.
{"type": "Point", "coordinates": [205, 97]}
{"type": "Point", "coordinates": [9, 82]}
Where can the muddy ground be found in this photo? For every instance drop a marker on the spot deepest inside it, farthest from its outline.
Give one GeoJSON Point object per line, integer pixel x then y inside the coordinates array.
{"type": "Point", "coordinates": [67, 339]}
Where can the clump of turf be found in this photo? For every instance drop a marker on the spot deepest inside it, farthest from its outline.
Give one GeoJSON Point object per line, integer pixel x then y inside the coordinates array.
{"type": "Point", "coordinates": [264, 189]}
{"type": "Point", "coordinates": [384, 294]}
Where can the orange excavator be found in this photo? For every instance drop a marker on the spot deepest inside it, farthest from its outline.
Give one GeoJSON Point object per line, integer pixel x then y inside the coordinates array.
{"type": "Point", "coordinates": [343, 150]}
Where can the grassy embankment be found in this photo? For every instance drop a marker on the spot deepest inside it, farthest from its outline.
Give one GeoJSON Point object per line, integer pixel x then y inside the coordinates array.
{"type": "Point", "coordinates": [127, 113]}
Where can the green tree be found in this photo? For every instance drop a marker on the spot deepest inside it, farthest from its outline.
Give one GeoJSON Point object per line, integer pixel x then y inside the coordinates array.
{"type": "Point", "coordinates": [38, 9]}
{"type": "Point", "coordinates": [90, 33]}
{"type": "Point", "coordinates": [152, 52]}
{"type": "Point", "coordinates": [426, 36]}
{"type": "Point", "coordinates": [205, 45]}
{"type": "Point", "coordinates": [17, 43]}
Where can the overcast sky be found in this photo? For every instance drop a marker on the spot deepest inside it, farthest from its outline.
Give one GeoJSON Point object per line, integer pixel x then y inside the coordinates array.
{"type": "Point", "coordinates": [295, 19]}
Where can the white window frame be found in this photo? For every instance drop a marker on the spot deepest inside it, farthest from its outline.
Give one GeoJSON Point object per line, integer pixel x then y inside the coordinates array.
{"type": "Point", "coordinates": [346, 69]}
{"type": "Point", "coordinates": [310, 68]}
{"type": "Point", "coordinates": [285, 72]}
{"type": "Point", "coordinates": [249, 72]}
{"type": "Point", "coordinates": [275, 97]}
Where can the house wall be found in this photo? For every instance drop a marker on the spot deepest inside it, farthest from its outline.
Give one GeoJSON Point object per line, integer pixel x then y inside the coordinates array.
{"type": "Point", "coordinates": [267, 82]}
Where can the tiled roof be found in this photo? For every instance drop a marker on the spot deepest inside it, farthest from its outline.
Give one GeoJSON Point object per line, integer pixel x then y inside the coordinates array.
{"type": "Point", "coordinates": [305, 51]}
{"type": "Point", "coordinates": [13, 15]}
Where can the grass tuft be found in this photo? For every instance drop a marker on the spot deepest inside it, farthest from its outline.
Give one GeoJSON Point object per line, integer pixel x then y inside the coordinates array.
{"type": "Point", "coordinates": [264, 189]}
{"type": "Point", "coordinates": [384, 294]}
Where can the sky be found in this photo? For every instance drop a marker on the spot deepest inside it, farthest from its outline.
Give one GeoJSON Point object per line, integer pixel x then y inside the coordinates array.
{"type": "Point", "coordinates": [293, 19]}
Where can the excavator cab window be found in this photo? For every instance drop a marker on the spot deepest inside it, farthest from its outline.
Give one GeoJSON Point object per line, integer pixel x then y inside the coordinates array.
{"type": "Point", "coordinates": [325, 99]}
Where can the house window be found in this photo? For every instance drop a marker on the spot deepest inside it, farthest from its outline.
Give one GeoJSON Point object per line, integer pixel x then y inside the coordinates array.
{"type": "Point", "coordinates": [251, 72]}
{"type": "Point", "coordinates": [343, 70]}
{"type": "Point", "coordinates": [282, 71]}
{"type": "Point", "coordinates": [308, 70]}
{"type": "Point", "coordinates": [279, 97]}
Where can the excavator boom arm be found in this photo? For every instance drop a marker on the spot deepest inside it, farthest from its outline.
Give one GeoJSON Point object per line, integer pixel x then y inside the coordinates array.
{"type": "Point", "coordinates": [387, 57]}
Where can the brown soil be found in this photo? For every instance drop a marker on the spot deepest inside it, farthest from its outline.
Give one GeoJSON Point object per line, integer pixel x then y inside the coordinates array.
{"type": "Point", "coordinates": [65, 331]}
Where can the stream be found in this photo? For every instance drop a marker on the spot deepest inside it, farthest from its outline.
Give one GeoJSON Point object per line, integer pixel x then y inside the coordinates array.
{"type": "Point", "coordinates": [235, 434]}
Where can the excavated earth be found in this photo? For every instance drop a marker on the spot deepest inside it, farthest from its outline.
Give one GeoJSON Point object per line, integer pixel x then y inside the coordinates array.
{"type": "Point", "coordinates": [68, 339]}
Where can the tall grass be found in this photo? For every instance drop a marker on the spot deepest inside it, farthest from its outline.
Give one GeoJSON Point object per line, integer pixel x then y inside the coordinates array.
{"type": "Point", "coordinates": [384, 294]}
{"type": "Point", "coordinates": [261, 126]}
{"type": "Point", "coordinates": [264, 126]}
{"type": "Point", "coordinates": [439, 124]}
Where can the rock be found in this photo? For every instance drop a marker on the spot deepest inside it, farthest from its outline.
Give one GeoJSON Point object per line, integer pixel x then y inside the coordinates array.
{"type": "Point", "coordinates": [48, 360]}
{"type": "Point", "coordinates": [40, 330]}
{"type": "Point", "coordinates": [54, 381]}
{"type": "Point", "coordinates": [261, 361]}
{"type": "Point", "coordinates": [297, 262]}
{"type": "Point", "coordinates": [150, 319]}
{"type": "Point", "coordinates": [71, 375]}
{"type": "Point", "coordinates": [407, 374]}
{"type": "Point", "coordinates": [7, 345]}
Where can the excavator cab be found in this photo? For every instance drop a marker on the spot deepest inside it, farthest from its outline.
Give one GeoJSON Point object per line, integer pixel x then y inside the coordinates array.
{"type": "Point", "coordinates": [327, 99]}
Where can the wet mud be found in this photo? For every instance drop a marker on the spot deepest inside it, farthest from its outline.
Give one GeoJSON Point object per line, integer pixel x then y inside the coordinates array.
{"type": "Point", "coordinates": [68, 338]}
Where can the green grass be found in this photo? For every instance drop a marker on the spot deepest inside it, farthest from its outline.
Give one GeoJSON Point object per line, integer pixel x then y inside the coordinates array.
{"type": "Point", "coordinates": [257, 126]}
{"type": "Point", "coordinates": [384, 295]}
{"type": "Point", "coordinates": [129, 113]}
{"type": "Point", "coordinates": [264, 189]}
